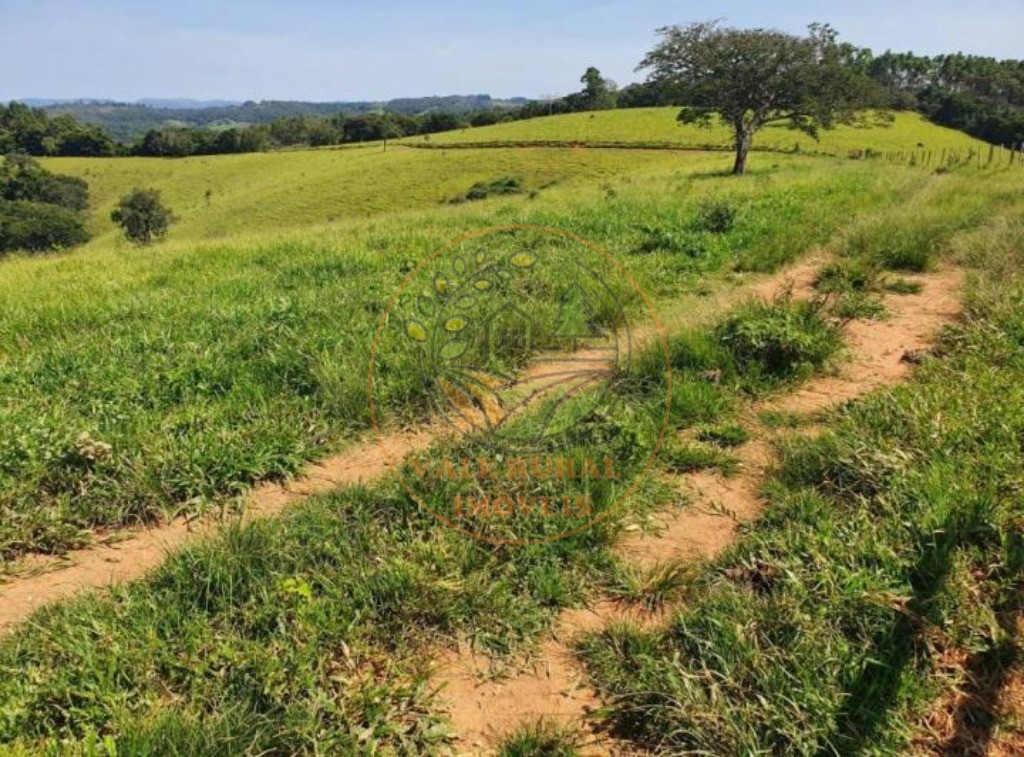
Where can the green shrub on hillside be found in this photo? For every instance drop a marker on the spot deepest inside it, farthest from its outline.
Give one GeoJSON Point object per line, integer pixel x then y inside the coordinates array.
{"type": "Point", "coordinates": [715, 216]}
{"type": "Point", "coordinates": [142, 215]}
{"type": "Point", "coordinates": [37, 227]}
{"type": "Point", "coordinates": [506, 185]}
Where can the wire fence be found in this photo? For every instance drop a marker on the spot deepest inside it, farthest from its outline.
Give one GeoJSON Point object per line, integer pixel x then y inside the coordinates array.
{"type": "Point", "coordinates": [990, 156]}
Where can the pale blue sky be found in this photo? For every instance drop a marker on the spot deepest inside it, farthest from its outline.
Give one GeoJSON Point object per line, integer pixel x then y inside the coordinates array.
{"type": "Point", "coordinates": [353, 49]}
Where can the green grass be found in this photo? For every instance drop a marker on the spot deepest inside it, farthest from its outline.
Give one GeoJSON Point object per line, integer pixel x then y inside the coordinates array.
{"type": "Point", "coordinates": [659, 126]}
{"type": "Point", "coordinates": [140, 383]}
{"type": "Point", "coordinates": [208, 366]}
{"type": "Point", "coordinates": [889, 544]}
{"type": "Point", "coordinates": [652, 587]}
{"type": "Point", "coordinates": [314, 632]}
{"type": "Point", "coordinates": [277, 191]}
{"type": "Point", "coordinates": [686, 458]}
{"type": "Point", "coordinates": [729, 434]}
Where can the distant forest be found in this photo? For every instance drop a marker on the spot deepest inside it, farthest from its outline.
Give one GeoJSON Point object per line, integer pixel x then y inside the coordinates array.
{"type": "Point", "coordinates": [981, 96]}
{"type": "Point", "coordinates": [127, 122]}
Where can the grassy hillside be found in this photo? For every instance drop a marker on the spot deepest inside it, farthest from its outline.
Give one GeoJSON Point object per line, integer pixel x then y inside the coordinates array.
{"type": "Point", "coordinates": [218, 196]}
{"type": "Point", "coordinates": [209, 365]}
{"type": "Point", "coordinates": [143, 382]}
{"type": "Point", "coordinates": [316, 632]}
{"type": "Point", "coordinates": [907, 132]}
{"type": "Point", "coordinates": [281, 190]}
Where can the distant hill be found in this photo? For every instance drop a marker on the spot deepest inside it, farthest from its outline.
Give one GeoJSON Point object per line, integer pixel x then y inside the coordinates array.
{"type": "Point", "coordinates": [127, 121]}
{"type": "Point", "coordinates": [183, 103]}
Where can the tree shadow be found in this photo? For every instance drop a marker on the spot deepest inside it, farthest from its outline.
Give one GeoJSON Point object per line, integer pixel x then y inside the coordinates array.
{"type": "Point", "coordinates": [987, 673]}
{"type": "Point", "coordinates": [874, 692]}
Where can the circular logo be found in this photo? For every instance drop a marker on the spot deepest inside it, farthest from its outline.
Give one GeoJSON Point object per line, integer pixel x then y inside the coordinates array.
{"type": "Point", "coordinates": [518, 338]}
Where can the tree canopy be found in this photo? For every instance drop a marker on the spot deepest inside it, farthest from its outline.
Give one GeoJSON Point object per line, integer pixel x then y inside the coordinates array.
{"type": "Point", "coordinates": [40, 210]}
{"type": "Point", "coordinates": [753, 77]}
{"type": "Point", "coordinates": [142, 215]}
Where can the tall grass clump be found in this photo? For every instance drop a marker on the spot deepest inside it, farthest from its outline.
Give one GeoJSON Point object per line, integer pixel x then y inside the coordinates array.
{"type": "Point", "coordinates": [778, 340]}
{"type": "Point", "coordinates": [542, 739]}
{"type": "Point", "coordinates": [752, 349]}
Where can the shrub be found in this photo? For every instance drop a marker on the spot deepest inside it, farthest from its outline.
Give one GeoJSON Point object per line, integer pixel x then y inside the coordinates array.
{"type": "Point", "coordinates": [715, 216]}
{"type": "Point", "coordinates": [506, 185]}
{"type": "Point", "coordinates": [37, 227]}
{"type": "Point", "coordinates": [142, 215]}
{"type": "Point", "coordinates": [22, 178]}
{"type": "Point", "coordinates": [779, 339]}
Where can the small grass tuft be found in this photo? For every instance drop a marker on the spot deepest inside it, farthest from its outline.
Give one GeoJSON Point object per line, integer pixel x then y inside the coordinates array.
{"type": "Point", "coordinates": [851, 305]}
{"type": "Point", "coordinates": [542, 739]}
{"type": "Point", "coordinates": [781, 419]}
{"type": "Point", "coordinates": [651, 588]}
{"type": "Point", "coordinates": [730, 434]}
{"type": "Point", "coordinates": [853, 274]}
{"type": "Point", "coordinates": [506, 185]}
{"type": "Point", "coordinates": [687, 458]}
{"type": "Point", "coordinates": [715, 217]}
{"type": "Point", "coordinates": [901, 285]}
{"type": "Point", "coordinates": [780, 339]}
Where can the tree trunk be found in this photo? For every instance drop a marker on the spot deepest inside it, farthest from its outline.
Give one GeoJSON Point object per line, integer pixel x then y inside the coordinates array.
{"type": "Point", "coordinates": [743, 139]}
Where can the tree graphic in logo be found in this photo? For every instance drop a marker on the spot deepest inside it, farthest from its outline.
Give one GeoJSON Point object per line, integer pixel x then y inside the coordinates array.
{"type": "Point", "coordinates": [495, 340]}
{"type": "Point", "coordinates": [520, 342]}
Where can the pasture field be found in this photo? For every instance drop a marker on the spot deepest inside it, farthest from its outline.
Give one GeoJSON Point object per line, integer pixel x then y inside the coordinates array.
{"type": "Point", "coordinates": [142, 383]}
{"type": "Point", "coordinates": [908, 131]}
{"type": "Point", "coordinates": [209, 366]}
{"type": "Point", "coordinates": [271, 191]}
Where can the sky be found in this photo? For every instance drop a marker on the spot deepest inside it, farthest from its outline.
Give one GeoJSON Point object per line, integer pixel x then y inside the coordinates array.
{"type": "Point", "coordinates": [330, 50]}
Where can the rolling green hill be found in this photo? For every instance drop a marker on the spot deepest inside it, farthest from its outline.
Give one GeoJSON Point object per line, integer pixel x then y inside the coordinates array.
{"type": "Point", "coordinates": [658, 125]}
{"type": "Point", "coordinates": [281, 190]}
{"type": "Point", "coordinates": [209, 364]}
{"type": "Point", "coordinates": [217, 196]}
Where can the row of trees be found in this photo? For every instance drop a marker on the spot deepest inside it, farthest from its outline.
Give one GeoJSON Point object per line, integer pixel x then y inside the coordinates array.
{"type": "Point", "coordinates": [127, 122]}
{"type": "Point", "coordinates": [981, 96]}
{"type": "Point", "coordinates": [311, 131]}
{"type": "Point", "coordinates": [598, 93]}
{"type": "Point", "coordinates": [32, 131]}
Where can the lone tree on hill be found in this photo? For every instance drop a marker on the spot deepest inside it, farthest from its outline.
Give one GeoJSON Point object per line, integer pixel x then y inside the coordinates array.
{"type": "Point", "coordinates": [753, 77]}
{"type": "Point", "coordinates": [142, 215]}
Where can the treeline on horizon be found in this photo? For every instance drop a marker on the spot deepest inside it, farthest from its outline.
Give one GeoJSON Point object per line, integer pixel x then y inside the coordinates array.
{"type": "Point", "coordinates": [981, 96]}
{"type": "Point", "coordinates": [126, 122]}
